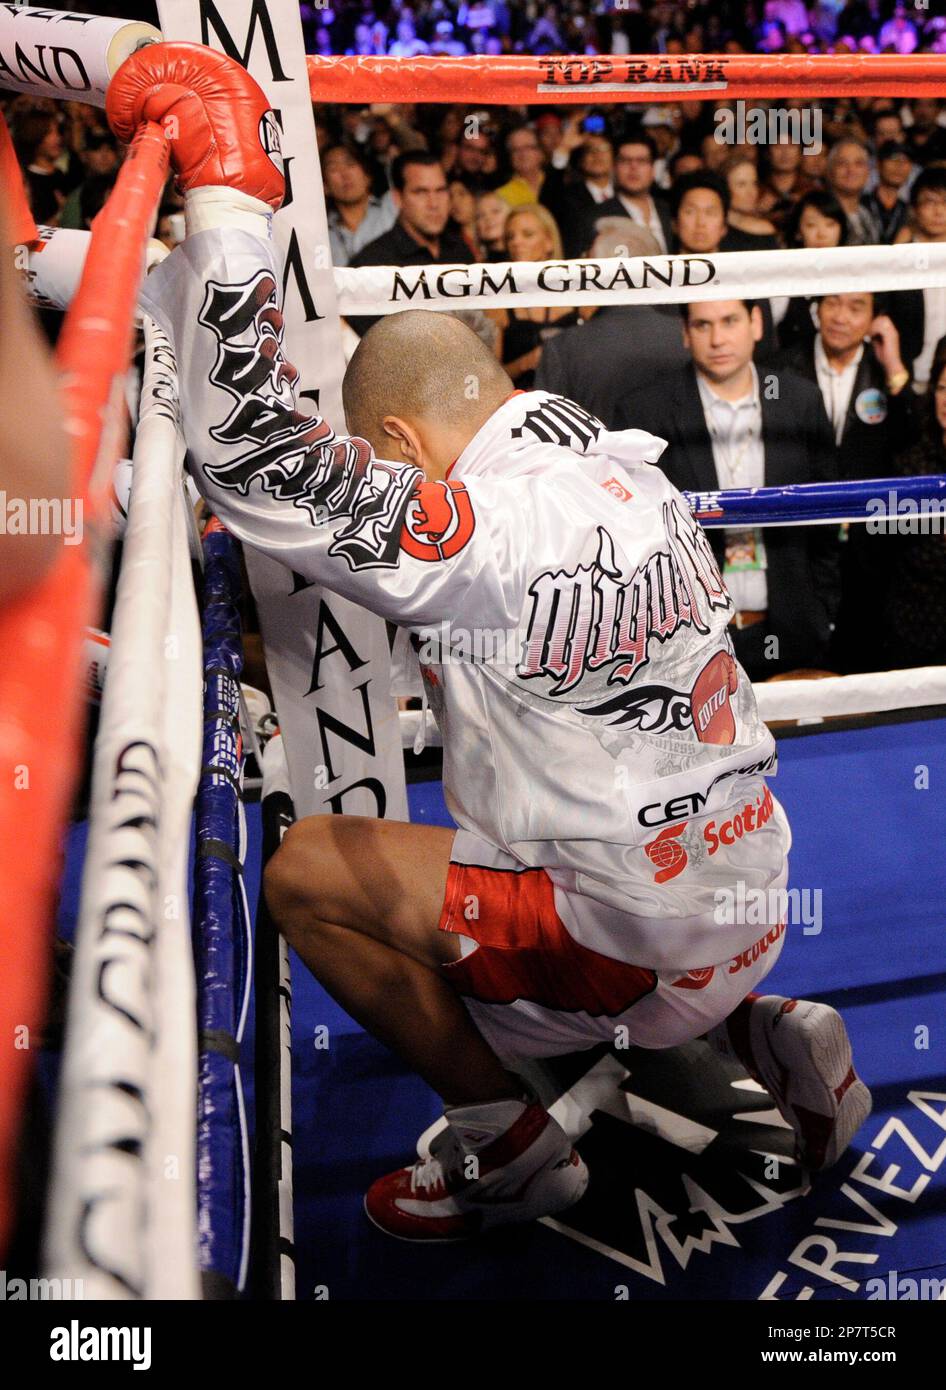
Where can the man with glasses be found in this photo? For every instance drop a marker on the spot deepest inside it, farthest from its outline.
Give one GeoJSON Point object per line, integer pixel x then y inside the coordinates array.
{"type": "Point", "coordinates": [847, 177]}
{"type": "Point", "coordinates": [634, 169]}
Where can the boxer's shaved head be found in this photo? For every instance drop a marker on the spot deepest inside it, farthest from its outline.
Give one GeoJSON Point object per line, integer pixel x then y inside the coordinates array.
{"type": "Point", "coordinates": [419, 386]}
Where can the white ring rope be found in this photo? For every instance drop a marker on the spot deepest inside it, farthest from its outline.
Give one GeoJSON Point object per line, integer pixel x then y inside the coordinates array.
{"type": "Point", "coordinates": [55, 265]}
{"type": "Point", "coordinates": [814, 700]}
{"type": "Point", "coordinates": [119, 1220]}
{"type": "Point", "coordinates": [680, 279]}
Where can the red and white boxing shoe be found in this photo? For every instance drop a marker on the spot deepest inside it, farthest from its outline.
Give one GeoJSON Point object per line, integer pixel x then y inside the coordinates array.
{"type": "Point", "coordinates": [800, 1052]}
{"type": "Point", "coordinates": [491, 1165]}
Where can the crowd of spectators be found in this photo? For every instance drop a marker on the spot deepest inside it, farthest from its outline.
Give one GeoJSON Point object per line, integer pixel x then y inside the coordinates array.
{"type": "Point", "coordinates": [781, 390]}
{"type": "Point", "coordinates": [456, 27]}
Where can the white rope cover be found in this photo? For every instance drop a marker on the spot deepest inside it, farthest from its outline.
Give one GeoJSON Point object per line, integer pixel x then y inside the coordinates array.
{"type": "Point", "coordinates": [640, 279]}
{"type": "Point", "coordinates": [122, 1201]}
{"type": "Point", "coordinates": [55, 265]}
{"type": "Point", "coordinates": [790, 700]}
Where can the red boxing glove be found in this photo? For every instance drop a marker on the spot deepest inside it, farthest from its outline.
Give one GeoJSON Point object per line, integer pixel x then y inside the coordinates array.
{"type": "Point", "coordinates": [216, 117]}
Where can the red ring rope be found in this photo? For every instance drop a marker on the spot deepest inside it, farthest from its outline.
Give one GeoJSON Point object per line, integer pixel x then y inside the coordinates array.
{"type": "Point", "coordinates": [41, 633]}
{"type": "Point", "coordinates": [570, 79]}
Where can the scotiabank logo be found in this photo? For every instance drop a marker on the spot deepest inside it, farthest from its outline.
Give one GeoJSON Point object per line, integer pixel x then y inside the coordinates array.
{"type": "Point", "coordinates": [752, 954]}
{"type": "Point", "coordinates": [752, 817]}
{"type": "Point", "coordinates": [670, 857]}
{"type": "Point", "coordinates": [695, 979]}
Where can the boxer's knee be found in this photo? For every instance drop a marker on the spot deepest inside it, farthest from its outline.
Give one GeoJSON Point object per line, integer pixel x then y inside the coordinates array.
{"type": "Point", "coordinates": [294, 881]}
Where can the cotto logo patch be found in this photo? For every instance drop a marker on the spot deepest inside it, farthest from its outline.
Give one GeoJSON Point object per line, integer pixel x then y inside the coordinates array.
{"type": "Point", "coordinates": [439, 521]}
{"type": "Point", "coordinates": [713, 718]}
{"type": "Point", "coordinates": [617, 489]}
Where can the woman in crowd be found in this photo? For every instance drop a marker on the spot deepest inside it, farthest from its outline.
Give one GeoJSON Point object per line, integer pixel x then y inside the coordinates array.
{"type": "Point", "coordinates": [491, 214]}
{"type": "Point", "coordinates": [747, 230]}
{"type": "Point", "coordinates": [817, 221]}
{"type": "Point", "coordinates": [531, 235]}
{"type": "Point", "coordinates": [40, 150]}
{"type": "Point", "coordinates": [463, 215]}
{"type": "Point", "coordinates": [784, 180]}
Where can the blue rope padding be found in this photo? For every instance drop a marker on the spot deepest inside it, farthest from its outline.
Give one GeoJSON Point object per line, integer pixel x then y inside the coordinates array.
{"type": "Point", "coordinates": [220, 930]}
{"type": "Point", "coordinates": [800, 502]}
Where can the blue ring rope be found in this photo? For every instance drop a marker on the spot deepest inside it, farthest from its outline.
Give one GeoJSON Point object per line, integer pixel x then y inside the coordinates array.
{"type": "Point", "coordinates": [220, 934]}
{"type": "Point", "coordinates": [820, 502]}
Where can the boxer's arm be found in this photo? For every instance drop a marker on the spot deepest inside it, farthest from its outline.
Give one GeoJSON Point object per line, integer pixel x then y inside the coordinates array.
{"type": "Point", "coordinates": [415, 552]}
{"type": "Point", "coordinates": [283, 482]}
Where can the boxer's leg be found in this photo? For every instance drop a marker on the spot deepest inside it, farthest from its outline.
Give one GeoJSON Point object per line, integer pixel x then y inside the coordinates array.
{"type": "Point", "coordinates": [360, 901]}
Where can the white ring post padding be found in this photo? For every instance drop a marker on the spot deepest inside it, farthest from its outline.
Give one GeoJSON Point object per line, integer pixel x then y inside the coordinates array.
{"type": "Point", "coordinates": [370, 290]}
{"type": "Point", "coordinates": [52, 53]}
{"type": "Point", "coordinates": [813, 700]}
{"type": "Point", "coordinates": [115, 1211]}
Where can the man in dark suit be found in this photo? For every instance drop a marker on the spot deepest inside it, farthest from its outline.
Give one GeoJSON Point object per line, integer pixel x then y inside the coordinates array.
{"type": "Point", "coordinates": [420, 235]}
{"type": "Point", "coordinates": [920, 315]}
{"type": "Point", "coordinates": [574, 200]}
{"type": "Point", "coordinates": [855, 361]}
{"type": "Point", "coordinates": [623, 346]}
{"type": "Point", "coordinates": [699, 204]}
{"type": "Point", "coordinates": [635, 157]}
{"type": "Point", "coordinates": [728, 426]}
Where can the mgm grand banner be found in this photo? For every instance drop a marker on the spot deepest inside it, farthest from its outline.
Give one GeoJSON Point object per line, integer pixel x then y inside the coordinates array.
{"type": "Point", "coordinates": [640, 280]}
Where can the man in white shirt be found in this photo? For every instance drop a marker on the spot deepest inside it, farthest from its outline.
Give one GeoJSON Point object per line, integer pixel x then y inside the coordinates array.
{"type": "Point", "coordinates": [729, 425]}
{"type": "Point", "coordinates": [859, 369]}
{"type": "Point", "coordinates": [855, 361]}
{"type": "Point", "coordinates": [733, 414]}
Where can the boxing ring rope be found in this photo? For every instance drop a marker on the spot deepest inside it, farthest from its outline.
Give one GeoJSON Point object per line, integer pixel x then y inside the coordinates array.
{"type": "Point", "coordinates": [576, 79]}
{"type": "Point", "coordinates": [223, 943]}
{"type": "Point", "coordinates": [45, 627]}
{"type": "Point", "coordinates": [129, 1066]}
{"type": "Point", "coordinates": [673, 279]}
{"type": "Point", "coordinates": [57, 258]}
{"type": "Point", "coordinates": [794, 701]}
